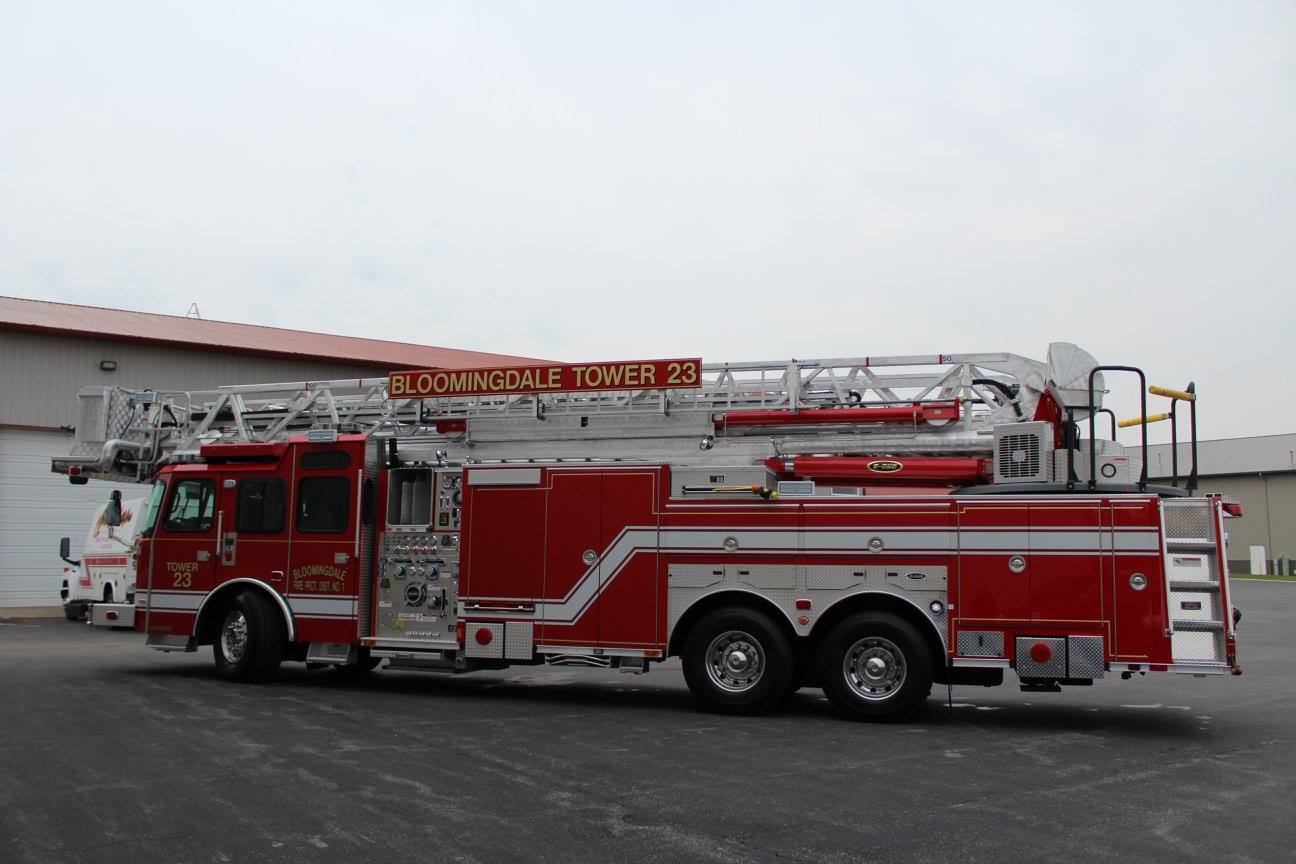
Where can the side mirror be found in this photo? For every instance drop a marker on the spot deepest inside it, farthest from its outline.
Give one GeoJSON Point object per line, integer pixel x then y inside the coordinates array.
{"type": "Point", "coordinates": [65, 549]}
{"type": "Point", "coordinates": [113, 512]}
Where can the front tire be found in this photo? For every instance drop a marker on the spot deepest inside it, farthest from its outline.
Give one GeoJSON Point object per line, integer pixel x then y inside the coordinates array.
{"type": "Point", "coordinates": [876, 666]}
{"type": "Point", "coordinates": [250, 639]}
{"type": "Point", "coordinates": [738, 661]}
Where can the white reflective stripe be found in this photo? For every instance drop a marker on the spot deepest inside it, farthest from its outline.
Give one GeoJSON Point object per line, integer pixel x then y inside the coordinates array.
{"type": "Point", "coordinates": [1040, 541]}
{"type": "Point", "coordinates": [766, 539]}
{"type": "Point", "coordinates": [165, 601]}
{"type": "Point", "coordinates": [769, 540]}
{"type": "Point", "coordinates": [1146, 541]}
{"type": "Point", "coordinates": [310, 606]}
{"type": "Point", "coordinates": [628, 543]}
{"type": "Point", "coordinates": [1050, 553]}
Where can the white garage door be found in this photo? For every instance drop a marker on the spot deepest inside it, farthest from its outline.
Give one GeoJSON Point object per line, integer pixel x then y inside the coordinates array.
{"type": "Point", "coordinates": [37, 507]}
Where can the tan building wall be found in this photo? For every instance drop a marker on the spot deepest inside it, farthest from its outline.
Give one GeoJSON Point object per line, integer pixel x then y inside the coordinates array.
{"type": "Point", "coordinates": [1268, 514]}
{"type": "Point", "coordinates": [41, 374]}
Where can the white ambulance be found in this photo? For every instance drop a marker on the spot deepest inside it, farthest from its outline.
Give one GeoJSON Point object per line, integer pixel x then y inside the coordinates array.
{"type": "Point", "coordinates": [106, 572]}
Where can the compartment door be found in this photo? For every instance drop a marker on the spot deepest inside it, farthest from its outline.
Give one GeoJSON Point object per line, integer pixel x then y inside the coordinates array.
{"type": "Point", "coordinates": [573, 553]}
{"type": "Point", "coordinates": [503, 549]}
{"type": "Point", "coordinates": [994, 563]}
{"type": "Point", "coordinates": [1138, 586]}
{"type": "Point", "coordinates": [1067, 543]}
{"type": "Point", "coordinates": [628, 577]}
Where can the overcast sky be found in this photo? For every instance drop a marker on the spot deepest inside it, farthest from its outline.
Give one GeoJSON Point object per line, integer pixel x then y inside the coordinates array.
{"type": "Point", "coordinates": [617, 180]}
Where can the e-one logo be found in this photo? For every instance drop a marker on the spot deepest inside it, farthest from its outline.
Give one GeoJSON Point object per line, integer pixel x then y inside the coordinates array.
{"type": "Point", "coordinates": [885, 466]}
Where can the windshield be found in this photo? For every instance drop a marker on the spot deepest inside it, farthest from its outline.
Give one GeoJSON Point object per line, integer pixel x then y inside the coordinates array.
{"type": "Point", "coordinates": [152, 507]}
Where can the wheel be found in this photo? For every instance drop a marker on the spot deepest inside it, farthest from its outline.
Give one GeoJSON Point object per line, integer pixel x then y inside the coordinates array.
{"type": "Point", "coordinates": [74, 610]}
{"type": "Point", "coordinates": [250, 639]}
{"type": "Point", "coordinates": [875, 666]}
{"type": "Point", "coordinates": [108, 593]}
{"type": "Point", "coordinates": [738, 661]}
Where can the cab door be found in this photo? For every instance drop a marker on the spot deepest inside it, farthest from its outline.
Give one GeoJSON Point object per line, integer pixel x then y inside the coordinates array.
{"type": "Point", "coordinates": [323, 570]}
{"type": "Point", "coordinates": [254, 523]}
{"type": "Point", "coordinates": [184, 551]}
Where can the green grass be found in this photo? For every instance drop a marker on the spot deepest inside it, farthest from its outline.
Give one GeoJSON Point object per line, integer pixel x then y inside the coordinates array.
{"type": "Point", "coordinates": [1263, 578]}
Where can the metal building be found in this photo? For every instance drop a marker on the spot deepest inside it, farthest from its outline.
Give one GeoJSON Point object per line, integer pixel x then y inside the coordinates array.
{"type": "Point", "coordinates": [48, 351]}
{"type": "Point", "coordinates": [1260, 472]}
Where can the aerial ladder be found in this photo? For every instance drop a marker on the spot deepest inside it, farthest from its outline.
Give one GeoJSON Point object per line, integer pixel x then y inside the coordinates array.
{"type": "Point", "coordinates": [919, 420]}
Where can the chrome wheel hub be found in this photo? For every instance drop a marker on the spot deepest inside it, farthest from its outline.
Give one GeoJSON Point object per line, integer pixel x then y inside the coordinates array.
{"type": "Point", "coordinates": [735, 662]}
{"type": "Point", "coordinates": [874, 668]}
{"type": "Point", "coordinates": [234, 637]}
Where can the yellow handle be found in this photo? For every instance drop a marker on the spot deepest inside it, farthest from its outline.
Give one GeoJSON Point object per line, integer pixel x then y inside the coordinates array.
{"type": "Point", "coordinates": [1183, 395]}
{"type": "Point", "coordinates": [1139, 421]}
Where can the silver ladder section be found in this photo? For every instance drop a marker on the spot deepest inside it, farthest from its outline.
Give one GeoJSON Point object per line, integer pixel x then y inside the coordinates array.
{"type": "Point", "coordinates": [129, 434]}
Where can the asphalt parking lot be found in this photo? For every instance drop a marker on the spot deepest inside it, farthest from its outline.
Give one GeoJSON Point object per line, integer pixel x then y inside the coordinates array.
{"type": "Point", "coordinates": [111, 752]}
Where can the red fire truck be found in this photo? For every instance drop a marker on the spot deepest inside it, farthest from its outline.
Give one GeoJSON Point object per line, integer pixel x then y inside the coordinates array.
{"type": "Point", "coordinates": [870, 526]}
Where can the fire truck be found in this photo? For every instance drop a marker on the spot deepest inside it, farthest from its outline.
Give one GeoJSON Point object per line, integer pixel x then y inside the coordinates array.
{"type": "Point", "coordinates": [869, 526]}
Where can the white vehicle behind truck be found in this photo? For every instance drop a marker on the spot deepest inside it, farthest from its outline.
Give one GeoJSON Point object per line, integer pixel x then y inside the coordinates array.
{"type": "Point", "coordinates": [101, 585]}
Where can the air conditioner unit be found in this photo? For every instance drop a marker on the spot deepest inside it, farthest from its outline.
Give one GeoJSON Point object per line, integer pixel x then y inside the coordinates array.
{"type": "Point", "coordinates": [1114, 464]}
{"type": "Point", "coordinates": [1023, 453]}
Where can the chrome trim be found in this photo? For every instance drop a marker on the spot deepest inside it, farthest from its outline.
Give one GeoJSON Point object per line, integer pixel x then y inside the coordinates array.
{"type": "Point", "coordinates": [283, 604]}
{"type": "Point", "coordinates": [597, 652]}
{"type": "Point", "coordinates": [1199, 668]}
{"type": "Point", "coordinates": [503, 476]}
{"type": "Point", "coordinates": [359, 502]}
{"type": "Point", "coordinates": [427, 644]}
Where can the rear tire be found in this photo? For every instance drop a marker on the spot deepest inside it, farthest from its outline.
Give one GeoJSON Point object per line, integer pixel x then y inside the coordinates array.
{"type": "Point", "coordinates": [250, 640]}
{"type": "Point", "coordinates": [876, 666]}
{"type": "Point", "coordinates": [738, 661]}
{"type": "Point", "coordinates": [74, 610]}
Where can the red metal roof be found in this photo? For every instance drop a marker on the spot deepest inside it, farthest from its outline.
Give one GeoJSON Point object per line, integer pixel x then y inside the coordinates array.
{"type": "Point", "coordinates": [93, 322]}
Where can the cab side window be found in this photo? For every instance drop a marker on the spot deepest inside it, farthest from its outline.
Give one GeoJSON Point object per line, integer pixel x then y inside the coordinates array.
{"type": "Point", "coordinates": [261, 505]}
{"type": "Point", "coordinates": [193, 505]}
{"type": "Point", "coordinates": [323, 504]}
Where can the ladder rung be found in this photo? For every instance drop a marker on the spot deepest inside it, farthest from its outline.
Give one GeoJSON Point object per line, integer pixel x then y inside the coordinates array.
{"type": "Point", "coordinates": [1197, 625]}
{"type": "Point", "coordinates": [1189, 585]}
{"type": "Point", "coordinates": [1185, 544]}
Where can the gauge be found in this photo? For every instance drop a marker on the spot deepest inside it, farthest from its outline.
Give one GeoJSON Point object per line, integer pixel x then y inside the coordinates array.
{"type": "Point", "coordinates": [447, 482]}
{"type": "Point", "coordinates": [415, 593]}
